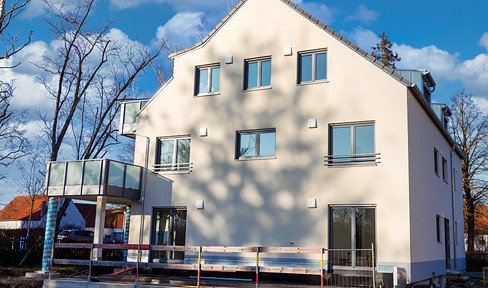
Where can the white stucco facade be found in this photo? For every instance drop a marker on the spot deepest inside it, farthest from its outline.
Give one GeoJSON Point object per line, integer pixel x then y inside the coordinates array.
{"type": "Point", "coordinates": [263, 202]}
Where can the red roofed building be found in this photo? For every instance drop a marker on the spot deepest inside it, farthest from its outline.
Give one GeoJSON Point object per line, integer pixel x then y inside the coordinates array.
{"type": "Point", "coordinates": [16, 214]}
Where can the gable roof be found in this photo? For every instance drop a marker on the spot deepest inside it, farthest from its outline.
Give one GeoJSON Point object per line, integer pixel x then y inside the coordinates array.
{"type": "Point", "coordinates": [412, 87]}
{"type": "Point", "coordinates": [19, 208]}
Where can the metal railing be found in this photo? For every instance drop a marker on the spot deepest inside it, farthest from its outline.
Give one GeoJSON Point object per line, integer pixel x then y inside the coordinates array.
{"type": "Point", "coordinates": [176, 167]}
{"type": "Point", "coordinates": [352, 160]}
{"type": "Point", "coordinates": [334, 266]}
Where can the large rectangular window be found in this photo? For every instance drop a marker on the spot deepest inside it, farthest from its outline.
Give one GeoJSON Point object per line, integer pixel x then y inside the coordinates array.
{"type": "Point", "coordinates": [312, 66]}
{"type": "Point", "coordinates": [257, 73]}
{"type": "Point", "coordinates": [207, 80]}
{"type": "Point", "coordinates": [169, 228]}
{"type": "Point", "coordinates": [351, 143]}
{"type": "Point", "coordinates": [256, 144]}
{"type": "Point", "coordinates": [173, 154]}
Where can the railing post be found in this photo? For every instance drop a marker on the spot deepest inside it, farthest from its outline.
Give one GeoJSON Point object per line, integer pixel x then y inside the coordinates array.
{"type": "Point", "coordinates": [374, 269]}
{"type": "Point", "coordinates": [51, 260]}
{"type": "Point", "coordinates": [199, 267]}
{"type": "Point", "coordinates": [90, 263]}
{"type": "Point", "coordinates": [321, 267]}
{"type": "Point", "coordinates": [257, 266]}
{"type": "Point", "coordinates": [137, 263]}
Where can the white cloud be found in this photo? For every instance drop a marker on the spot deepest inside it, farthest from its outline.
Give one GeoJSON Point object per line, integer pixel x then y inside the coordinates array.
{"type": "Point", "coordinates": [363, 15]}
{"type": "Point", "coordinates": [484, 40]}
{"type": "Point", "coordinates": [482, 103]}
{"type": "Point", "coordinates": [180, 5]}
{"type": "Point", "coordinates": [180, 30]}
{"type": "Point", "coordinates": [320, 11]}
{"type": "Point", "coordinates": [364, 38]}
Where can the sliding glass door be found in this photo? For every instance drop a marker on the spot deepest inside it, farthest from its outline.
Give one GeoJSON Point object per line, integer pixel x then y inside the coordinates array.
{"type": "Point", "coordinates": [169, 228]}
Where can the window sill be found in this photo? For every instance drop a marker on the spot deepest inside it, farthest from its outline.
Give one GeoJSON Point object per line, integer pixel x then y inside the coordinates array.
{"type": "Point", "coordinates": [206, 94]}
{"type": "Point", "coordinates": [257, 89]}
{"type": "Point", "coordinates": [256, 158]}
{"type": "Point", "coordinates": [312, 82]}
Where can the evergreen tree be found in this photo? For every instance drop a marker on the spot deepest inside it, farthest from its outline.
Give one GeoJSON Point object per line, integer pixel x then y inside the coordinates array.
{"type": "Point", "coordinates": [383, 52]}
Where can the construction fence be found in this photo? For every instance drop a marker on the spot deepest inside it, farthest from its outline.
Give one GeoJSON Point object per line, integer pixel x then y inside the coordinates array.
{"type": "Point", "coordinates": [335, 267]}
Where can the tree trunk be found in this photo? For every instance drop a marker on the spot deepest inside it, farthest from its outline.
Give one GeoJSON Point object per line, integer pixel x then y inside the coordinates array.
{"type": "Point", "coordinates": [470, 218]}
{"type": "Point", "coordinates": [30, 215]}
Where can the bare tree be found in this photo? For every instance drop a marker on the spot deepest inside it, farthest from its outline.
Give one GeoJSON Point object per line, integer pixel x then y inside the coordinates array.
{"type": "Point", "coordinates": [92, 74]}
{"type": "Point", "coordinates": [470, 131]}
{"type": "Point", "coordinates": [11, 41]}
{"type": "Point", "coordinates": [31, 182]}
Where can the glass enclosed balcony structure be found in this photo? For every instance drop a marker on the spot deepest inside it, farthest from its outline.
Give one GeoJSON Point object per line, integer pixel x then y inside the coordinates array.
{"type": "Point", "coordinates": [87, 179]}
{"type": "Point", "coordinates": [128, 116]}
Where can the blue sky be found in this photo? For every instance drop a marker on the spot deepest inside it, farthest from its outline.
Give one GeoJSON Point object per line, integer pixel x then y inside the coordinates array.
{"type": "Point", "coordinates": [448, 38]}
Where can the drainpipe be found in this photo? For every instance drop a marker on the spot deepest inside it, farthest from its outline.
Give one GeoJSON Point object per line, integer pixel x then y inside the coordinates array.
{"type": "Point", "coordinates": [143, 194]}
{"type": "Point", "coordinates": [452, 209]}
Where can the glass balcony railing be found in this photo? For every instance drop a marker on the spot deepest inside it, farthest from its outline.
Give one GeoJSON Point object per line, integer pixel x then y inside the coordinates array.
{"type": "Point", "coordinates": [87, 178]}
{"type": "Point", "coordinates": [128, 116]}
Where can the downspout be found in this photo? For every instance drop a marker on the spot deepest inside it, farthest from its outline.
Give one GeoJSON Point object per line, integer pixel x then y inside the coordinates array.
{"type": "Point", "coordinates": [452, 209]}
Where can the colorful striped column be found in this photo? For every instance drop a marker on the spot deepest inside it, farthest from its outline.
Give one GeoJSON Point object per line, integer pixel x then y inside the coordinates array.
{"type": "Point", "coordinates": [126, 230]}
{"type": "Point", "coordinates": [49, 234]}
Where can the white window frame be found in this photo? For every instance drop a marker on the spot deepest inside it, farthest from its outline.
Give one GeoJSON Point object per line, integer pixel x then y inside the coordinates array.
{"type": "Point", "coordinates": [314, 65]}
{"type": "Point", "coordinates": [209, 68]}
{"type": "Point", "coordinates": [174, 168]}
{"type": "Point", "coordinates": [246, 73]}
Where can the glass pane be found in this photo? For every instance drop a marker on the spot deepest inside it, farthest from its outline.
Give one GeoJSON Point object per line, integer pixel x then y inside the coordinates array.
{"type": "Point", "coordinates": [252, 75]}
{"type": "Point", "coordinates": [364, 142]}
{"type": "Point", "coordinates": [267, 144]}
{"type": "Point", "coordinates": [116, 174]}
{"type": "Point", "coordinates": [341, 143]}
{"type": "Point", "coordinates": [56, 175]}
{"type": "Point", "coordinates": [92, 173]}
{"type": "Point", "coordinates": [161, 231]}
{"type": "Point", "coordinates": [73, 175]}
{"type": "Point", "coordinates": [266, 73]}
{"type": "Point", "coordinates": [202, 81]}
{"type": "Point", "coordinates": [365, 231]}
{"type": "Point", "coordinates": [130, 113]}
{"type": "Point", "coordinates": [305, 68]}
{"type": "Point", "coordinates": [166, 153]}
{"type": "Point", "coordinates": [179, 233]}
{"type": "Point", "coordinates": [215, 79]}
{"type": "Point", "coordinates": [133, 177]}
{"type": "Point", "coordinates": [183, 154]}
{"type": "Point", "coordinates": [247, 145]}
{"type": "Point", "coordinates": [341, 235]}
{"type": "Point", "coordinates": [321, 66]}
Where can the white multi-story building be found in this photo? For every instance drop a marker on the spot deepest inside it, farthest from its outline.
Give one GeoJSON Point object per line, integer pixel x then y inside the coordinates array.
{"type": "Point", "coordinates": [277, 131]}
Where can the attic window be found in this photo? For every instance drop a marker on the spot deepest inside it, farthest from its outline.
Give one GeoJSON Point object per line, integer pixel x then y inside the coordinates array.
{"type": "Point", "coordinates": [207, 80]}
{"type": "Point", "coordinates": [312, 66]}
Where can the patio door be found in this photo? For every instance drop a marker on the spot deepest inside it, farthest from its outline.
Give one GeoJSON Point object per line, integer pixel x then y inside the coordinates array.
{"type": "Point", "coordinates": [352, 228]}
{"type": "Point", "coordinates": [169, 228]}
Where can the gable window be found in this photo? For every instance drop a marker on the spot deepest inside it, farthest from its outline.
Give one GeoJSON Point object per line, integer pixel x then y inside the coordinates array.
{"type": "Point", "coordinates": [255, 144]}
{"type": "Point", "coordinates": [436, 161]}
{"type": "Point", "coordinates": [351, 144]}
{"type": "Point", "coordinates": [257, 73]}
{"type": "Point", "coordinates": [312, 66]}
{"type": "Point", "coordinates": [173, 154]}
{"type": "Point", "coordinates": [444, 169]}
{"type": "Point", "coordinates": [207, 80]}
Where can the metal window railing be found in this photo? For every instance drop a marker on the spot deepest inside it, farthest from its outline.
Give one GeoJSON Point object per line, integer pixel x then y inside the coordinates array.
{"type": "Point", "coordinates": [173, 167]}
{"type": "Point", "coordinates": [352, 160]}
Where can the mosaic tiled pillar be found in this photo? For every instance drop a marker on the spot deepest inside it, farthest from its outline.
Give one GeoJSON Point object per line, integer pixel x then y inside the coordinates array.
{"type": "Point", "coordinates": [49, 233]}
{"type": "Point", "coordinates": [126, 230]}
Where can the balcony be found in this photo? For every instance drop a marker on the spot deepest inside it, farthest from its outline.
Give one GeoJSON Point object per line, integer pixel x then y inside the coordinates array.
{"type": "Point", "coordinates": [128, 117]}
{"type": "Point", "coordinates": [87, 179]}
